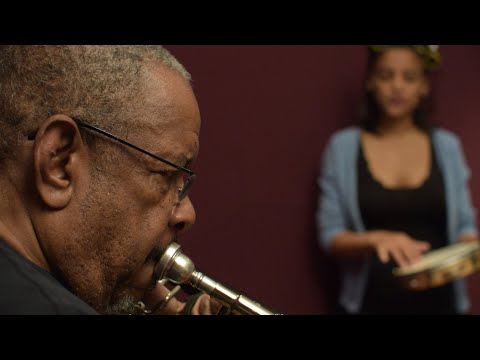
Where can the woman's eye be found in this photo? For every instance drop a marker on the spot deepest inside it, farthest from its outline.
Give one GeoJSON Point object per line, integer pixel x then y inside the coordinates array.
{"type": "Point", "coordinates": [384, 76]}
{"type": "Point", "coordinates": [410, 77]}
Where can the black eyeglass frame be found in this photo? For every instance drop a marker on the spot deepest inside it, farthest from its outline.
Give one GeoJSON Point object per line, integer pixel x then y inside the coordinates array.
{"type": "Point", "coordinates": [182, 191]}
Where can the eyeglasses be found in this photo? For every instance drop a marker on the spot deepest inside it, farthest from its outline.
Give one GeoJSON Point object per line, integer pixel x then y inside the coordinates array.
{"type": "Point", "coordinates": [188, 178]}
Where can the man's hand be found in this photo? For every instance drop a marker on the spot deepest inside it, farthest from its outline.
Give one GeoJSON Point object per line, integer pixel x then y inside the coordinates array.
{"type": "Point", "coordinates": [161, 300]}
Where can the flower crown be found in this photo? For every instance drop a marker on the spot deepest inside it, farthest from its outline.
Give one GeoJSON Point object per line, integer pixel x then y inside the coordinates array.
{"type": "Point", "coordinates": [430, 54]}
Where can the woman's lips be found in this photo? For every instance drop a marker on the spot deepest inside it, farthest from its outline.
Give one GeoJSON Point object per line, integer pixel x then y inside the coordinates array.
{"type": "Point", "coordinates": [396, 101]}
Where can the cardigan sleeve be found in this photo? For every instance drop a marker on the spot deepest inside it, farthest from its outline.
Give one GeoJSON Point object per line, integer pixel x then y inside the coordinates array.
{"type": "Point", "coordinates": [467, 213]}
{"type": "Point", "coordinates": [330, 215]}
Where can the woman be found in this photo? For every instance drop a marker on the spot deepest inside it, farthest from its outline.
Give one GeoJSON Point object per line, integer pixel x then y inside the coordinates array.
{"type": "Point", "coordinates": [393, 189]}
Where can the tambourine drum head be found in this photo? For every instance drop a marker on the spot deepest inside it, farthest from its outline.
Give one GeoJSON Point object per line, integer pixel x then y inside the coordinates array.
{"type": "Point", "coordinates": [441, 266]}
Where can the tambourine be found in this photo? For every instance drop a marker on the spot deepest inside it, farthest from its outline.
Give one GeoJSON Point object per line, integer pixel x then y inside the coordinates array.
{"type": "Point", "coordinates": [440, 266]}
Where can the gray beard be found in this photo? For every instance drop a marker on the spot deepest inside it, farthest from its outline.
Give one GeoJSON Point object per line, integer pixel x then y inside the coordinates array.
{"type": "Point", "coordinates": [128, 305]}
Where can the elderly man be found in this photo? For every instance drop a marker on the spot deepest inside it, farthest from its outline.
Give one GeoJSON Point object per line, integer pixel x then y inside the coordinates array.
{"type": "Point", "coordinates": [95, 148]}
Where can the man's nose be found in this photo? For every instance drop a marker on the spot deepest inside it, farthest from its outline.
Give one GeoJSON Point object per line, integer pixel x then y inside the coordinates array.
{"type": "Point", "coordinates": [183, 215]}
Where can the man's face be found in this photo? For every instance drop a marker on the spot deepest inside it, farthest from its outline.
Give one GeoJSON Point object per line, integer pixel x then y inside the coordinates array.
{"type": "Point", "coordinates": [132, 211]}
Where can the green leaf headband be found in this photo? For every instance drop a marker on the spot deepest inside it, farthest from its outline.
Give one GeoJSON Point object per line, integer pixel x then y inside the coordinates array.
{"type": "Point", "coordinates": [429, 53]}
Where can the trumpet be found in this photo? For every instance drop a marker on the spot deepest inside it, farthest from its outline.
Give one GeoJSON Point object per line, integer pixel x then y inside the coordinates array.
{"type": "Point", "coordinates": [177, 268]}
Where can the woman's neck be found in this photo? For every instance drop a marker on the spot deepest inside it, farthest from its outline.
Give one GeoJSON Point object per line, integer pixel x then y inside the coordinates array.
{"type": "Point", "coordinates": [396, 127]}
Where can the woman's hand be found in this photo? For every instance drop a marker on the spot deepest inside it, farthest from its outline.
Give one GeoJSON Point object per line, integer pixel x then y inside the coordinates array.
{"type": "Point", "coordinates": [397, 245]}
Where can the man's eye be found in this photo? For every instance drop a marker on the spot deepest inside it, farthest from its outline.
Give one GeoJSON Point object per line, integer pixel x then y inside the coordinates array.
{"type": "Point", "coordinates": [168, 175]}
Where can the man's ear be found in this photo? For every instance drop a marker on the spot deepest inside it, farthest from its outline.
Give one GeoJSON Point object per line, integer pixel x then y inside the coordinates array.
{"type": "Point", "coordinates": [57, 156]}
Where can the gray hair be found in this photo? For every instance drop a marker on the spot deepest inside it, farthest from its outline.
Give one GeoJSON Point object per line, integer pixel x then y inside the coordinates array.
{"type": "Point", "coordinates": [100, 83]}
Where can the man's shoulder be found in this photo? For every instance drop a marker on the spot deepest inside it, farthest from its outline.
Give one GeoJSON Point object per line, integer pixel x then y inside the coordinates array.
{"type": "Point", "coordinates": [28, 289]}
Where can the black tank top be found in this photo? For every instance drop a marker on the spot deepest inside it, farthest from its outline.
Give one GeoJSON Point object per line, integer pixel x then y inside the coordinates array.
{"type": "Point", "coordinates": [421, 213]}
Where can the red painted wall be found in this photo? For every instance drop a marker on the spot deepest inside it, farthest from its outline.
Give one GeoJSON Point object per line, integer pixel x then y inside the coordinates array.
{"type": "Point", "coordinates": [267, 112]}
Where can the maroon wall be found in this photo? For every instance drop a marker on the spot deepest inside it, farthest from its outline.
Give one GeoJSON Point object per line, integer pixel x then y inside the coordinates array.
{"type": "Point", "coordinates": [267, 112]}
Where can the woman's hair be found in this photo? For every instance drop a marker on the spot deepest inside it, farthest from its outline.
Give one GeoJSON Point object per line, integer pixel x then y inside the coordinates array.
{"type": "Point", "coordinates": [370, 112]}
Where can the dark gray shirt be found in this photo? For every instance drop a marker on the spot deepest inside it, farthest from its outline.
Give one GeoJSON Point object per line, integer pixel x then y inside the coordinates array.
{"type": "Point", "coordinates": [27, 289]}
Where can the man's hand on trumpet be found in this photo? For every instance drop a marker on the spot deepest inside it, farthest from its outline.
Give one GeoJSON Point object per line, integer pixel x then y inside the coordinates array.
{"type": "Point", "coordinates": [161, 301]}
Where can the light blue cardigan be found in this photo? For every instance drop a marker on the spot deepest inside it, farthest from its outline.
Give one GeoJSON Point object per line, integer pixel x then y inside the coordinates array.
{"type": "Point", "coordinates": [338, 208]}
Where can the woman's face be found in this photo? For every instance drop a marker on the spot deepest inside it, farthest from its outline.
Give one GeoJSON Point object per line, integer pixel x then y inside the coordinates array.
{"type": "Point", "coordinates": [398, 83]}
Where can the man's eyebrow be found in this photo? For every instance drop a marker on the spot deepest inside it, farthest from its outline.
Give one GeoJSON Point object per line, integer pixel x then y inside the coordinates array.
{"type": "Point", "coordinates": [188, 165]}
{"type": "Point", "coordinates": [185, 159]}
